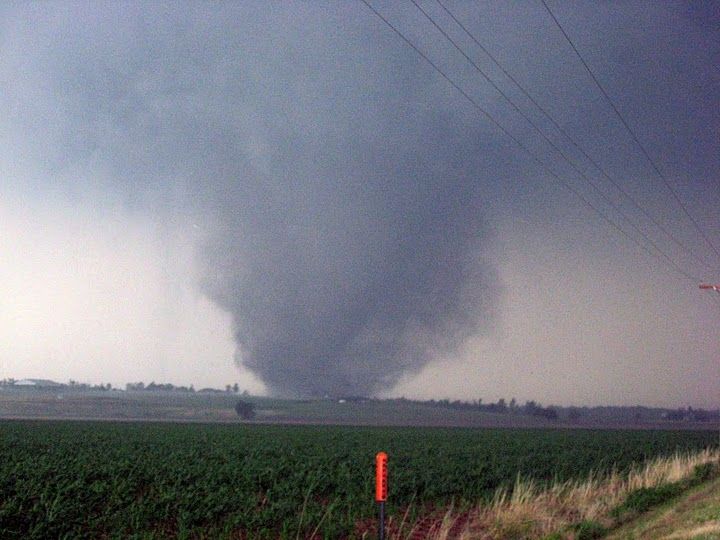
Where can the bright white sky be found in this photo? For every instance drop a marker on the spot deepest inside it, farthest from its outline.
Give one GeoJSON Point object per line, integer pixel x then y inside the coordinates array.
{"type": "Point", "coordinates": [108, 299]}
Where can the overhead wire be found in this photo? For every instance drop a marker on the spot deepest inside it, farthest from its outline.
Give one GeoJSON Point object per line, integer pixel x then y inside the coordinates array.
{"type": "Point", "coordinates": [630, 131]}
{"type": "Point", "coordinates": [575, 144]}
{"type": "Point", "coordinates": [520, 144]}
{"type": "Point", "coordinates": [537, 128]}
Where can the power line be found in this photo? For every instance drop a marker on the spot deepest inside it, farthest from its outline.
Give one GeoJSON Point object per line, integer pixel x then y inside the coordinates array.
{"type": "Point", "coordinates": [543, 135]}
{"type": "Point", "coordinates": [568, 186]}
{"type": "Point", "coordinates": [629, 129]}
{"type": "Point", "coordinates": [605, 174]}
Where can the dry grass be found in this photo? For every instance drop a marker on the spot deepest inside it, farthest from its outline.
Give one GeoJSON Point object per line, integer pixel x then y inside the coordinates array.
{"type": "Point", "coordinates": [529, 512]}
{"type": "Point", "coordinates": [701, 530]}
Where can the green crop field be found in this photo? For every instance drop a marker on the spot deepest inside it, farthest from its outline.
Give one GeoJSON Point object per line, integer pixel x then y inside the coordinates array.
{"type": "Point", "coordinates": [133, 480]}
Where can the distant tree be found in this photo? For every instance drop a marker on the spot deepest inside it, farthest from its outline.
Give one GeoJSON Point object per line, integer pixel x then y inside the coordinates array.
{"type": "Point", "coordinates": [245, 410]}
{"type": "Point", "coordinates": [228, 388]}
{"type": "Point", "coordinates": [679, 414]}
{"type": "Point", "coordinates": [530, 407]}
{"type": "Point", "coordinates": [501, 406]}
{"type": "Point", "coordinates": [535, 409]}
{"type": "Point", "coordinates": [236, 388]}
{"type": "Point", "coordinates": [513, 405]}
{"type": "Point", "coordinates": [700, 415]}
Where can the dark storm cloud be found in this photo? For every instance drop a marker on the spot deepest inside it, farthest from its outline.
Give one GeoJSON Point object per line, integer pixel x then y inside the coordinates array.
{"type": "Point", "coordinates": [344, 278]}
{"type": "Point", "coordinates": [344, 191]}
{"type": "Point", "coordinates": [345, 230]}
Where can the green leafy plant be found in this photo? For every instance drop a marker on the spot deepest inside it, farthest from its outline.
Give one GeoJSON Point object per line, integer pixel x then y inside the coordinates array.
{"type": "Point", "coordinates": [589, 530]}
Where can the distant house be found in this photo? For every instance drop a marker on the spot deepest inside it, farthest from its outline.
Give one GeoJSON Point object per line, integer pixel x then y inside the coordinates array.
{"type": "Point", "coordinates": [37, 383]}
{"type": "Point", "coordinates": [353, 399]}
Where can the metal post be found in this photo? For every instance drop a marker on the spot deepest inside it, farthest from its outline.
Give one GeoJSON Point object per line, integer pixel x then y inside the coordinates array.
{"type": "Point", "coordinates": [381, 531]}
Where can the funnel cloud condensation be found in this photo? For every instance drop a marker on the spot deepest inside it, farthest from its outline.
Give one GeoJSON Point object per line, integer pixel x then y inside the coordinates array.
{"type": "Point", "coordinates": [341, 280]}
{"type": "Point", "coordinates": [334, 182]}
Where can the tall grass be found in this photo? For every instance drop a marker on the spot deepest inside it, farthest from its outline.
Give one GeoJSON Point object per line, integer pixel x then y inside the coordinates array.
{"type": "Point", "coordinates": [529, 511]}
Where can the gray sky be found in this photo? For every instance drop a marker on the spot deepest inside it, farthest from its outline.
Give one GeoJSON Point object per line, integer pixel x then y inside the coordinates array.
{"type": "Point", "coordinates": [286, 195]}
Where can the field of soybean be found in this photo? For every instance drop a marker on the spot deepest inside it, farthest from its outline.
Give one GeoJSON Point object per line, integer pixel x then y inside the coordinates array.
{"type": "Point", "coordinates": [145, 480]}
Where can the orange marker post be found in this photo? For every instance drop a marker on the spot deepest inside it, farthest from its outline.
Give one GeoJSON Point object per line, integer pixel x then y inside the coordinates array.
{"type": "Point", "coordinates": [381, 488]}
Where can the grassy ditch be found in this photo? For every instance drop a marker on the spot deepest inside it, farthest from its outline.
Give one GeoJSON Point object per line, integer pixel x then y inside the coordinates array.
{"type": "Point", "coordinates": [693, 515]}
{"type": "Point", "coordinates": [578, 510]}
{"type": "Point", "coordinates": [644, 498]}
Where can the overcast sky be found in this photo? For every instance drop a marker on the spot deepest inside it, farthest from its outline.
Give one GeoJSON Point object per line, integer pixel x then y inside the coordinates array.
{"type": "Point", "coordinates": [288, 196]}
